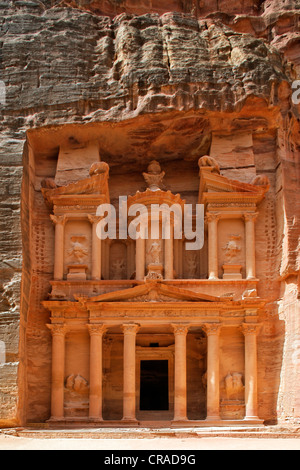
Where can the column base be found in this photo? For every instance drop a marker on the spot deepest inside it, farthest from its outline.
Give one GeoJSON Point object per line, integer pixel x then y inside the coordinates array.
{"type": "Point", "coordinates": [96, 420]}
{"type": "Point", "coordinates": [179, 422]}
{"type": "Point", "coordinates": [130, 421]}
{"type": "Point", "coordinates": [55, 420]}
{"type": "Point", "coordinates": [253, 420]}
{"type": "Point", "coordinates": [215, 418]}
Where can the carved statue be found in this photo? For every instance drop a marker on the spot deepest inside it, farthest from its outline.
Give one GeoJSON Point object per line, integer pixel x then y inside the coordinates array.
{"type": "Point", "coordinates": [76, 383]}
{"type": "Point", "coordinates": [155, 176]}
{"type": "Point", "coordinates": [98, 168]}
{"type": "Point", "coordinates": [154, 253]}
{"type": "Point", "coordinates": [118, 267]}
{"type": "Point", "coordinates": [211, 162]}
{"type": "Point", "coordinates": [192, 267]}
{"type": "Point", "coordinates": [233, 385]}
{"type": "Point", "coordinates": [232, 248]}
{"type": "Point", "coordinates": [48, 183]}
{"type": "Point", "coordinates": [77, 251]}
{"type": "Point", "coordinates": [261, 180]}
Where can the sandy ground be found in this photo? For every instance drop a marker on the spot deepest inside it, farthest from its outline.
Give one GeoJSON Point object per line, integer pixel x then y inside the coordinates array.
{"type": "Point", "coordinates": [20, 443]}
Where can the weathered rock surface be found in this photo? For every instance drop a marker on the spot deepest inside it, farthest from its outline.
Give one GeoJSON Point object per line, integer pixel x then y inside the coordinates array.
{"type": "Point", "coordinates": [208, 69]}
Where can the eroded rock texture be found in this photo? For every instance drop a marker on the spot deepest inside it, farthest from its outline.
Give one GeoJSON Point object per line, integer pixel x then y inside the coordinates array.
{"type": "Point", "coordinates": [178, 79]}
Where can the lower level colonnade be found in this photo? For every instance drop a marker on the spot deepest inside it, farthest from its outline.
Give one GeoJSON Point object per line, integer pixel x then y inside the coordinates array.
{"type": "Point", "coordinates": [130, 331]}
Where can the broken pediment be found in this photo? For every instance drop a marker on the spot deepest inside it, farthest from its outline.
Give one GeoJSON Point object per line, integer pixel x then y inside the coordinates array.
{"type": "Point", "coordinates": [96, 185]}
{"type": "Point", "coordinates": [152, 292]}
{"type": "Point", "coordinates": [214, 186]}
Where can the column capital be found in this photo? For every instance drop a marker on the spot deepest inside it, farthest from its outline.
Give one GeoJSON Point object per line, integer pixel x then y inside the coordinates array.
{"type": "Point", "coordinates": [250, 328]}
{"type": "Point", "coordinates": [58, 219]}
{"type": "Point", "coordinates": [58, 329]}
{"type": "Point", "coordinates": [212, 216]}
{"type": "Point", "coordinates": [96, 329]}
{"type": "Point", "coordinates": [250, 216]}
{"type": "Point", "coordinates": [130, 328]}
{"type": "Point", "coordinates": [212, 328]}
{"type": "Point", "coordinates": [94, 219]}
{"type": "Point", "coordinates": [180, 329]}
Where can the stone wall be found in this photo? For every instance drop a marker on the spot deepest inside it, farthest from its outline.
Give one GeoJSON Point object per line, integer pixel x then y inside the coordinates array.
{"type": "Point", "coordinates": [222, 70]}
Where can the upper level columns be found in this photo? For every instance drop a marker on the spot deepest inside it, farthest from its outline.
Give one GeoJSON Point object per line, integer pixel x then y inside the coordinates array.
{"type": "Point", "coordinates": [250, 219]}
{"type": "Point", "coordinates": [59, 222]}
{"type": "Point", "coordinates": [212, 220]}
{"type": "Point", "coordinates": [96, 248]}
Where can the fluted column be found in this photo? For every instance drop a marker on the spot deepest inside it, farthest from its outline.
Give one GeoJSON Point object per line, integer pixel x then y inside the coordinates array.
{"type": "Point", "coordinates": [58, 371]}
{"type": "Point", "coordinates": [213, 371]}
{"type": "Point", "coordinates": [59, 222]}
{"type": "Point", "coordinates": [250, 332]}
{"type": "Point", "coordinates": [250, 219]}
{"type": "Point", "coordinates": [129, 382]}
{"type": "Point", "coordinates": [96, 248]}
{"type": "Point", "coordinates": [96, 371]}
{"type": "Point", "coordinates": [180, 388]}
{"type": "Point", "coordinates": [213, 268]}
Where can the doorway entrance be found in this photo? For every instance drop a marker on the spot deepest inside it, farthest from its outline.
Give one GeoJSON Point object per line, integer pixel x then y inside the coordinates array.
{"type": "Point", "coordinates": [154, 386]}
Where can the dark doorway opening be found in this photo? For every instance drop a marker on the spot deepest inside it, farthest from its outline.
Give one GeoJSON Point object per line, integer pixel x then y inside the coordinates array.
{"type": "Point", "coordinates": [154, 392]}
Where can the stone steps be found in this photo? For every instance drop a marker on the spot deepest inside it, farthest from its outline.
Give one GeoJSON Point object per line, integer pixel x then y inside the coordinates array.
{"type": "Point", "coordinates": [73, 432]}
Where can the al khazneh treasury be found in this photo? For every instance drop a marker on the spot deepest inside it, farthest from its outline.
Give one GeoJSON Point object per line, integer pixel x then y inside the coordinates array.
{"type": "Point", "coordinates": [143, 329]}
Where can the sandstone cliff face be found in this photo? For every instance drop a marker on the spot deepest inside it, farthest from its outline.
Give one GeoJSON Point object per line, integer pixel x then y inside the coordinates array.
{"type": "Point", "coordinates": [206, 69]}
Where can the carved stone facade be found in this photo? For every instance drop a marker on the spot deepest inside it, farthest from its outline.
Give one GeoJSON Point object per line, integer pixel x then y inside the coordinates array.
{"type": "Point", "coordinates": [137, 330]}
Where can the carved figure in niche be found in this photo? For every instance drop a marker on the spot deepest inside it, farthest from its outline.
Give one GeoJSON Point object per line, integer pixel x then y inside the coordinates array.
{"type": "Point", "coordinates": [191, 266]}
{"type": "Point", "coordinates": [233, 385]}
{"type": "Point", "coordinates": [232, 248]}
{"type": "Point", "coordinates": [154, 253]}
{"type": "Point", "coordinates": [118, 268]}
{"type": "Point", "coordinates": [77, 251]}
{"type": "Point", "coordinates": [154, 177]}
{"type": "Point", "coordinates": [76, 383]}
{"type": "Point", "coordinates": [211, 162]}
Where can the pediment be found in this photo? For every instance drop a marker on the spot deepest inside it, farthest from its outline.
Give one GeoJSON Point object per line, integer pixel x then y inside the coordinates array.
{"type": "Point", "coordinates": [96, 185]}
{"type": "Point", "coordinates": [152, 292]}
{"type": "Point", "coordinates": [212, 183]}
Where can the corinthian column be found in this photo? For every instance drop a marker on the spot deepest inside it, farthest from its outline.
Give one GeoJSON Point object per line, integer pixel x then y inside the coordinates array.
{"type": "Point", "coordinates": [212, 220]}
{"type": "Point", "coordinates": [96, 394]}
{"type": "Point", "coordinates": [250, 219]}
{"type": "Point", "coordinates": [129, 392]}
{"type": "Point", "coordinates": [250, 331]}
{"type": "Point", "coordinates": [212, 331]}
{"type": "Point", "coordinates": [96, 248]}
{"type": "Point", "coordinates": [180, 392]}
{"type": "Point", "coordinates": [59, 222]}
{"type": "Point", "coordinates": [58, 371]}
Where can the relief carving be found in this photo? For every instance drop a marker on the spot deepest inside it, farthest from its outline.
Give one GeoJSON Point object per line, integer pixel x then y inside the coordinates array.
{"type": "Point", "coordinates": [234, 387]}
{"type": "Point", "coordinates": [77, 252]}
{"type": "Point", "coordinates": [76, 383]}
{"type": "Point", "coordinates": [232, 248]}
